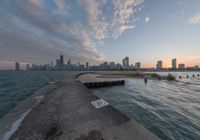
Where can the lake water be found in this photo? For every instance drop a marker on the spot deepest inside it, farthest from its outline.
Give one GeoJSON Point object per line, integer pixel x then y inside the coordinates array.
{"type": "Point", "coordinates": [16, 86]}
{"type": "Point", "coordinates": [170, 109]}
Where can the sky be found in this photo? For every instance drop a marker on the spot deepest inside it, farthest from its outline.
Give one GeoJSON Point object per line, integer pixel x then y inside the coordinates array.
{"type": "Point", "coordinates": [38, 31]}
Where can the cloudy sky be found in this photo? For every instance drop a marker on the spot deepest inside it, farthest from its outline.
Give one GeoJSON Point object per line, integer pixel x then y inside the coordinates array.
{"type": "Point", "coordinates": [38, 31]}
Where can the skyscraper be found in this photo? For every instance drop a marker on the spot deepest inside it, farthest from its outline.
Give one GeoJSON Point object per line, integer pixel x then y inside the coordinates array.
{"type": "Point", "coordinates": [51, 64]}
{"type": "Point", "coordinates": [112, 66]}
{"type": "Point", "coordinates": [27, 67]}
{"type": "Point", "coordinates": [61, 62]}
{"type": "Point", "coordinates": [69, 64]}
{"type": "Point", "coordinates": [159, 65]}
{"type": "Point", "coordinates": [138, 65]}
{"type": "Point", "coordinates": [87, 66]}
{"type": "Point", "coordinates": [174, 63]}
{"type": "Point", "coordinates": [125, 62]}
{"type": "Point", "coordinates": [57, 64]}
{"type": "Point", "coordinates": [17, 66]}
{"type": "Point", "coordinates": [181, 66]}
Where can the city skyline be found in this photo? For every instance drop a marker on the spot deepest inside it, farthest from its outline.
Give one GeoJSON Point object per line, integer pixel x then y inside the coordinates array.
{"type": "Point", "coordinates": [36, 31]}
{"type": "Point", "coordinates": [67, 64]}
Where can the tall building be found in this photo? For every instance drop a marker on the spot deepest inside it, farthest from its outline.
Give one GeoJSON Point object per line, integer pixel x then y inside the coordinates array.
{"type": "Point", "coordinates": [181, 66]}
{"type": "Point", "coordinates": [105, 66]}
{"type": "Point", "coordinates": [27, 67]}
{"type": "Point", "coordinates": [174, 63]}
{"type": "Point", "coordinates": [51, 64]}
{"type": "Point", "coordinates": [125, 62]}
{"type": "Point", "coordinates": [58, 64]}
{"type": "Point", "coordinates": [78, 66]}
{"type": "Point", "coordinates": [69, 64]}
{"type": "Point", "coordinates": [196, 67]}
{"type": "Point", "coordinates": [118, 66]}
{"type": "Point", "coordinates": [138, 65]}
{"type": "Point", "coordinates": [87, 66]}
{"type": "Point", "coordinates": [159, 65]}
{"type": "Point", "coordinates": [17, 66]}
{"type": "Point", "coordinates": [61, 62]}
{"type": "Point", "coordinates": [112, 66]}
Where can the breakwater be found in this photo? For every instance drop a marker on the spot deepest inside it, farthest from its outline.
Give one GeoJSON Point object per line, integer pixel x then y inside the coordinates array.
{"type": "Point", "coordinates": [68, 112]}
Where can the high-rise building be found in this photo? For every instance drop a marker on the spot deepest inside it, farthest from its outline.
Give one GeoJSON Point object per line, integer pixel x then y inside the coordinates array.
{"type": "Point", "coordinates": [181, 66]}
{"type": "Point", "coordinates": [69, 64]}
{"type": "Point", "coordinates": [17, 66]}
{"type": "Point", "coordinates": [196, 67]}
{"type": "Point", "coordinates": [27, 67]}
{"type": "Point", "coordinates": [58, 64]}
{"type": "Point", "coordinates": [105, 66]}
{"type": "Point", "coordinates": [159, 65]}
{"type": "Point", "coordinates": [137, 65]}
{"type": "Point", "coordinates": [125, 62]}
{"type": "Point", "coordinates": [112, 66]}
{"type": "Point", "coordinates": [174, 63]}
{"type": "Point", "coordinates": [87, 66]}
{"type": "Point", "coordinates": [51, 64]}
{"type": "Point", "coordinates": [118, 66]}
{"type": "Point", "coordinates": [61, 62]}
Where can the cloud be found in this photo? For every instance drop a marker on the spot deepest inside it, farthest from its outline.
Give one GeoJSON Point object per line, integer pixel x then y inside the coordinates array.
{"type": "Point", "coordinates": [147, 19]}
{"type": "Point", "coordinates": [39, 30]}
{"type": "Point", "coordinates": [195, 19]}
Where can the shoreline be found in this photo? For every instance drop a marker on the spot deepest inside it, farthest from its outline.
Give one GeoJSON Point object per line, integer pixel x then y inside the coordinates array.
{"type": "Point", "coordinates": [52, 110]}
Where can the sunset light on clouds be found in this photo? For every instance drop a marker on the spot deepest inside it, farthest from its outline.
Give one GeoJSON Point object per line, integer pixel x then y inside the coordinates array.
{"type": "Point", "coordinates": [38, 31]}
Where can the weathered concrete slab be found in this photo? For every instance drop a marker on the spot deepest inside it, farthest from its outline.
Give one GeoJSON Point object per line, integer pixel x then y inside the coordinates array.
{"type": "Point", "coordinates": [66, 113]}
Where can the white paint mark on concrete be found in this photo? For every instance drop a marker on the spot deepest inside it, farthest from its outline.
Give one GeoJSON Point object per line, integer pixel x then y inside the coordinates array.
{"type": "Point", "coordinates": [99, 103]}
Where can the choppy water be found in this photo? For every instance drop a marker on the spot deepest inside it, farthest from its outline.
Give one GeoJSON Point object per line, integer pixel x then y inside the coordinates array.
{"type": "Point", "coordinates": [16, 86]}
{"type": "Point", "coordinates": [169, 109]}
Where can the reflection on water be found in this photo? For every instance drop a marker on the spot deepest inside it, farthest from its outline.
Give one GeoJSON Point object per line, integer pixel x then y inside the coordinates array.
{"type": "Point", "coordinates": [170, 109]}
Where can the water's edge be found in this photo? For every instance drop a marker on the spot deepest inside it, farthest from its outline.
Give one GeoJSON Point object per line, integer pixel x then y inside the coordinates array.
{"type": "Point", "coordinates": [11, 121]}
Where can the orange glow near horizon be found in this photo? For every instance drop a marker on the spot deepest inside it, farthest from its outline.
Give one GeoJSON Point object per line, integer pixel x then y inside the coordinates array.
{"type": "Point", "coordinates": [189, 62]}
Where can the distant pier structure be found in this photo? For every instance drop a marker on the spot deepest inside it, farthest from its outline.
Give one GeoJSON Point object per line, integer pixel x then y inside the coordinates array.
{"type": "Point", "coordinates": [104, 84]}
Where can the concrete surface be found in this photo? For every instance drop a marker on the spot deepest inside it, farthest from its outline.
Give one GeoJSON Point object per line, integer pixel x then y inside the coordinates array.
{"type": "Point", "coordinates": [66, 113]}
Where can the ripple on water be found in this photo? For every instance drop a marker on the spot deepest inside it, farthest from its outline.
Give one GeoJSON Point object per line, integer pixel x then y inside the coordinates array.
{"type": "Point", "coordinates": [171, 110]}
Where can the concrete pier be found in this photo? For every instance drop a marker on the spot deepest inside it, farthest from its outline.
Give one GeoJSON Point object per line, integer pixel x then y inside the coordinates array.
{"type": "Point", "coordinates": [66, 113]}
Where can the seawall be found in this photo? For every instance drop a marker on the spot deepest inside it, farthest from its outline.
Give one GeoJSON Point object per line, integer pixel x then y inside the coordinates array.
{"type": "Point", "coordinates": [67, 113]}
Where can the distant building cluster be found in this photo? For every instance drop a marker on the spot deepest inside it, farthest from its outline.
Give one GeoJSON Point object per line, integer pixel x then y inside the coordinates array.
{"type": "Point", "coordinates": [127, 66]}
{"type": "Point", "coordinates": [181, 66]}
{"type": "Point", "coordinates": [61, 65]}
